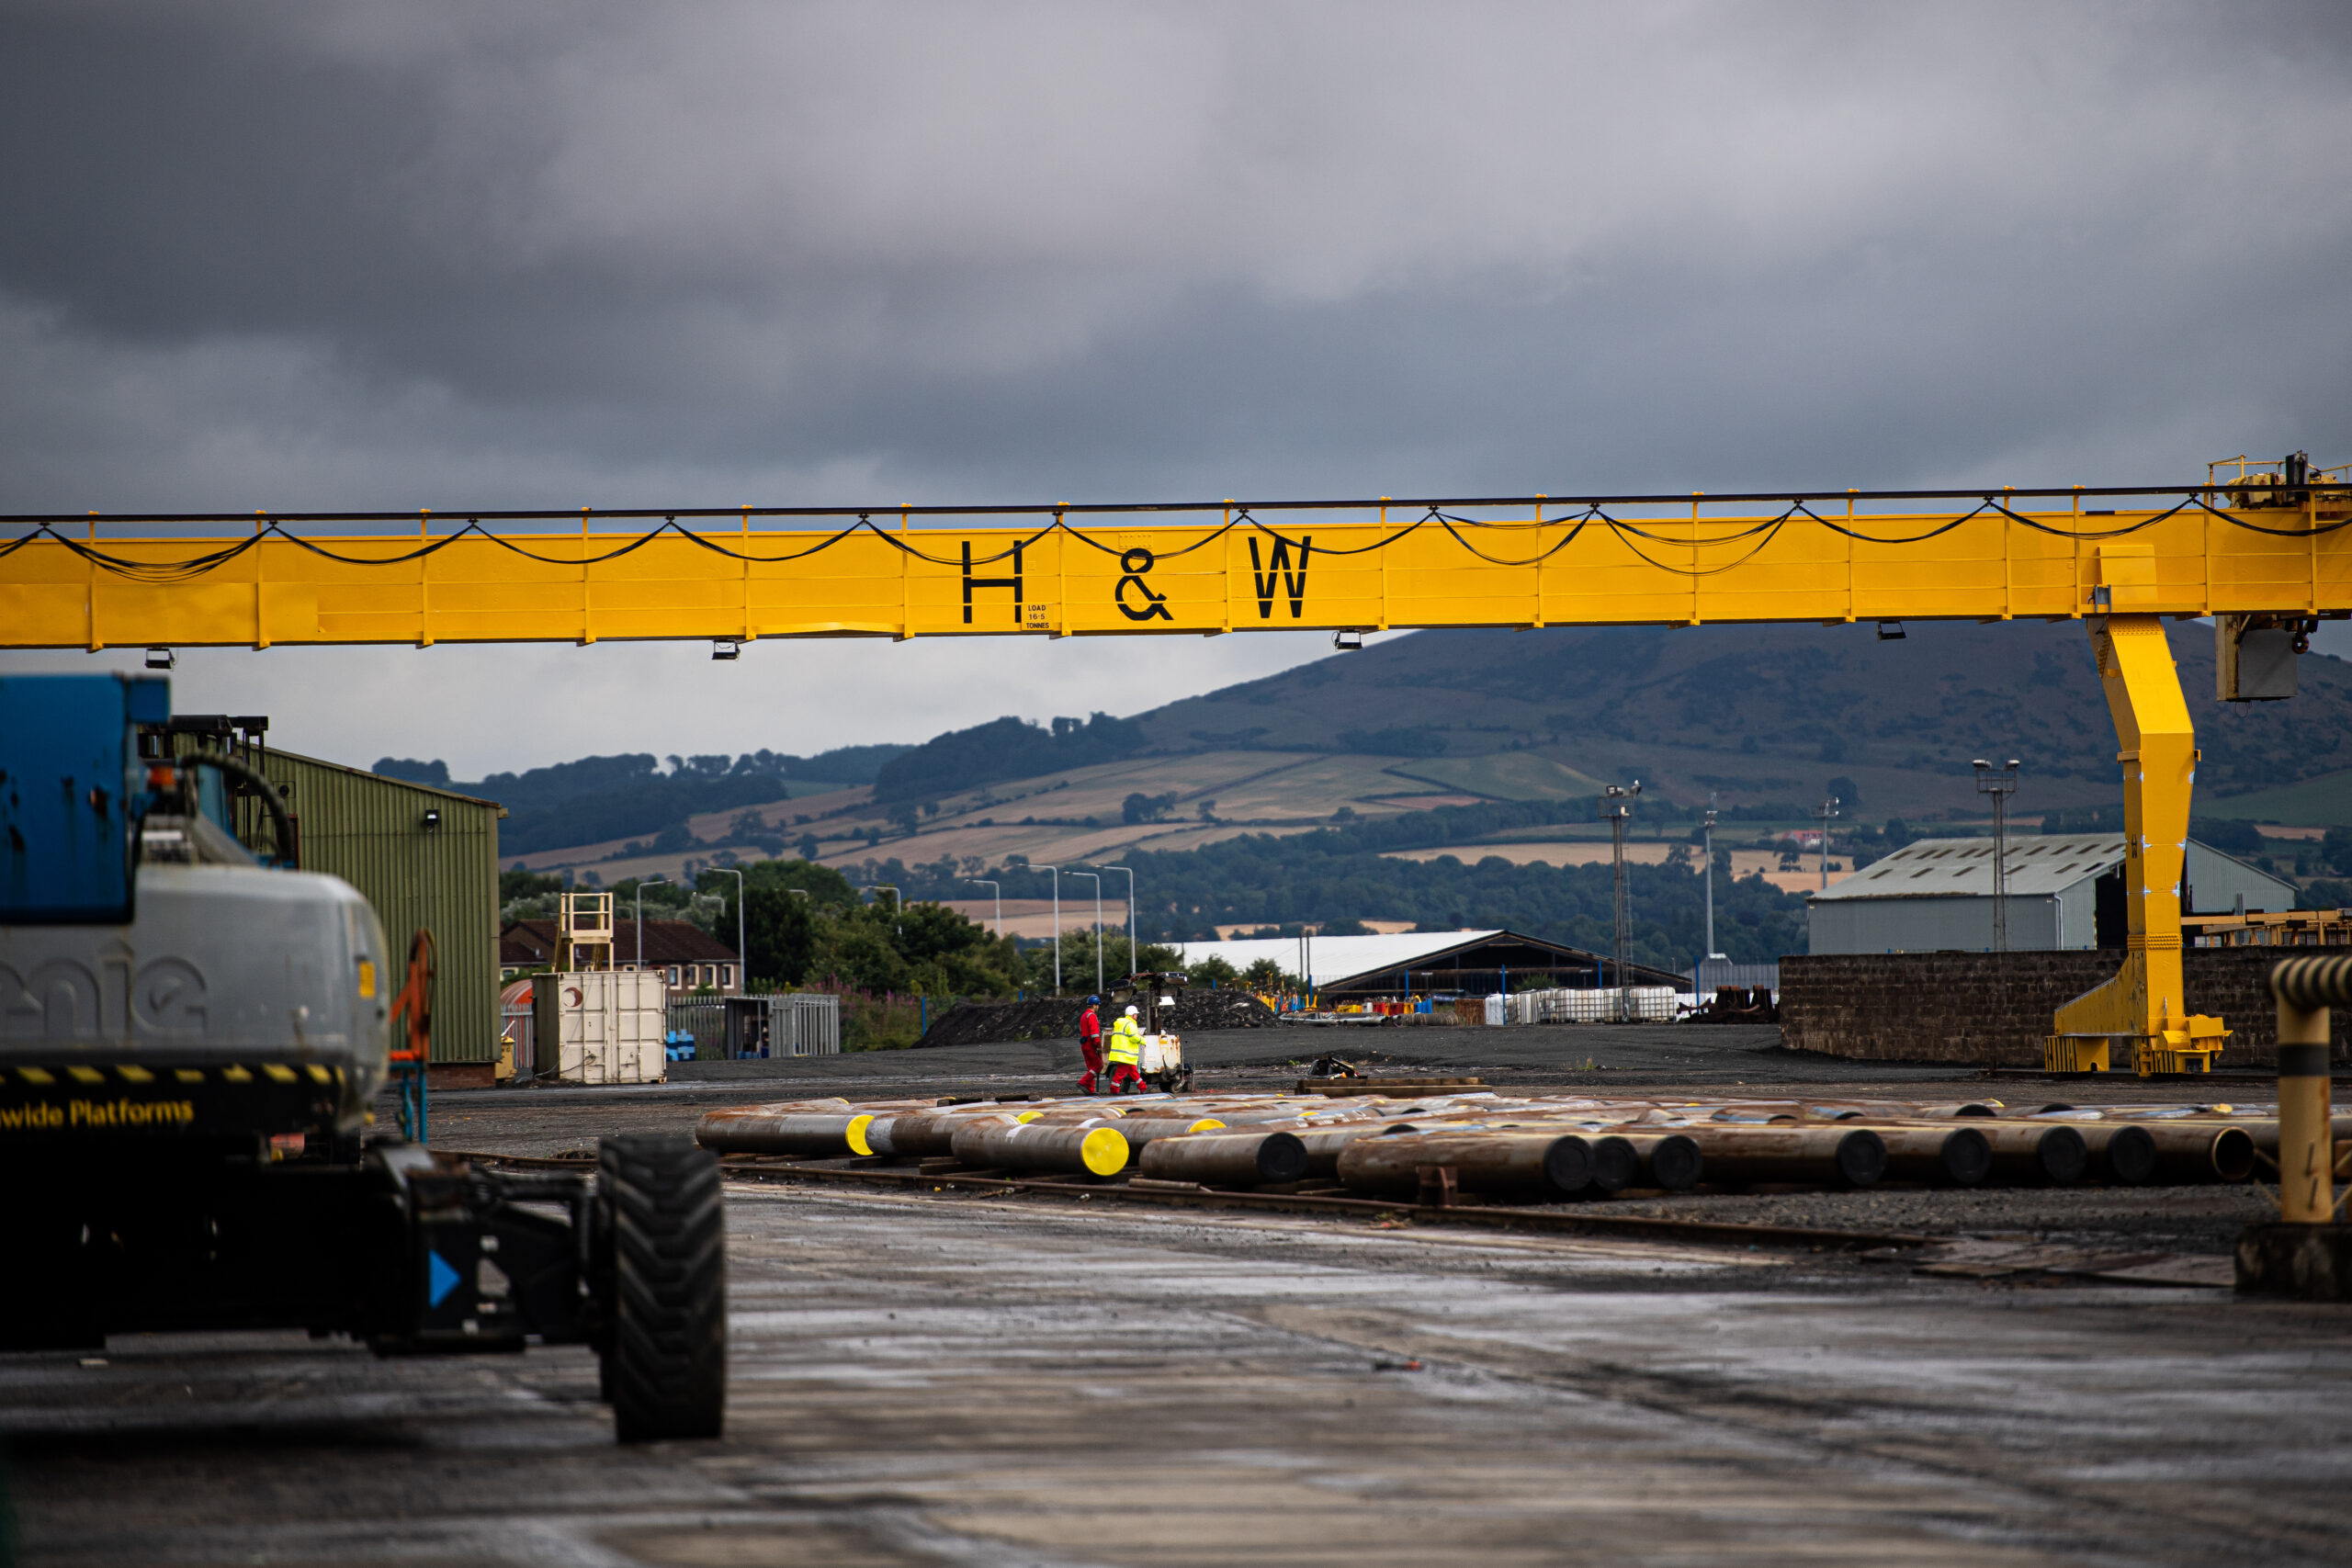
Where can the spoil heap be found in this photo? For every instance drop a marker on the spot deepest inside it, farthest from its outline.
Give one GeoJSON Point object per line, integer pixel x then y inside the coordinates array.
{"type": "Point", "coordinates": [983, 1023]}
{"type": "Point", "coordinates": [1517, 1148]}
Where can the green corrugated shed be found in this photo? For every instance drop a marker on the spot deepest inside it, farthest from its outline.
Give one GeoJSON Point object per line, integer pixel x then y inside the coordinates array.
{"type": "Point", "coordinates": [371, 832]}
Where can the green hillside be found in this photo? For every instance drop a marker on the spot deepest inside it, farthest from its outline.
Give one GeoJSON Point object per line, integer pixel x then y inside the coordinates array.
{"type": "Point", "coordinates": [2322, 802]}
{"type": "Point", "coordinates": [1765, 716]}
{"type": "Point", "coordinates": [1504, 775]}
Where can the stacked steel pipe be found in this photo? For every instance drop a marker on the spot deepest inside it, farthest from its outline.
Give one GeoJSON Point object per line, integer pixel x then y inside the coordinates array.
{"type": "Point", "coordinates": [1539, 1146]}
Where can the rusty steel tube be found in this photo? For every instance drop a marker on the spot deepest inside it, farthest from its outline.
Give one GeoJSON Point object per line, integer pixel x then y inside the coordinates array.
{"type": "Point", "coordinates": [2202, 1151]}
{"type": "Point", "coordinates": [1942, 1157]}
{"type": "Point", "coordinates": [1541, 1163]}
{"type": "Point", "coordinates": [1838, 1155]}
{"type": "Point", "coordinates": [1323, 1144]}
{"type": "Point", "coordinates": [757, 1130]}
{"type": "Point", "coordinates": [2120, 1150]}
{"type": "Point", "coordinates": [1225, 1160]}
{"type": "Point", "coordinates": [1142, 1131]}
{"type": "Point", "coordinates": [1099, 1150]}
{"type": "Point", "coordinates": [2037, 1151]}
{"type": "Point", "coordinates": [1669, 1161]}
{"type": "Point", "coordinates": [2265, 1132]}
{"type": "Point", "coordinates": [928, 1135]}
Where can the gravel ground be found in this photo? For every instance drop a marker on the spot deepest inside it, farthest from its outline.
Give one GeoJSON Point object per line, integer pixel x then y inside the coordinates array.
{"type": "Point", "coordinates": [2169, 1219]}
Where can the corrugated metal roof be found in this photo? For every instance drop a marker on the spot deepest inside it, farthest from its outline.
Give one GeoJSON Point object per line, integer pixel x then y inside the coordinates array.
{"type": "Point", "coordinates": [2037, 863]}
{"type": "Point", "coordinates": [1336, 958]}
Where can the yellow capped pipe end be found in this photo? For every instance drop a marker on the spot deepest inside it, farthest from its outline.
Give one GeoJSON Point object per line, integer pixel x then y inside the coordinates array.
{"type": "Point", "coordinates": [1104, 1150]}
{"type": "Point", "coordinates": [1025, 1117]}
{"type": "Point", "coordinates": [1205, 1124]}
{"type": "Point", "coordinates": [855, 1132]}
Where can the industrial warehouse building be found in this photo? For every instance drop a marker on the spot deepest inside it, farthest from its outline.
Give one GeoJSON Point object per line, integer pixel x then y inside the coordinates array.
{"type": "Point", "coordinates": [2066, 890]}
{"type": "Point", "coordinates": [1472, 962]}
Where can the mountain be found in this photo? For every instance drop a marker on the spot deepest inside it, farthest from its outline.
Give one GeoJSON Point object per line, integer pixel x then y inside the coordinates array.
{"type": "Point", "coordinates": [1768, 721]}
{"type": "Point", "coordinates": [1006, 749]}
{"type": "Point", "coordinates": [1765, 715]}
{"type": "Point", "coordinates": [598, 799]}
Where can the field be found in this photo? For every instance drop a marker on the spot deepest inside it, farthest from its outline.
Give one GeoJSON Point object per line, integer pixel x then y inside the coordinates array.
{"type": "Point", "coordinates": [1046, 819]}
{"type": "Point", "coordinates": [1592, 852]}
{"type": "Point", "coordinates": [1504, 775]}
{"type": "Point", "coordinates": [2324, 802]}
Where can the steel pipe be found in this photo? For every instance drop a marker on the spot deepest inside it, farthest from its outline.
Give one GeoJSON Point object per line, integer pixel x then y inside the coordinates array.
{"type": "Point", "coordinates": [994, 1146]}
{"type": "Point", "coordinates": [1669, 1161]}
{"type": "Point", "coordinates": [1838, 1155]}
{"type": "Point", "coordinates": [757, 1130]}
{"type": "Point", "coordinates": [2037, 1151]}
{"type": "Point", "coordinates": [1942, 1157]}
{"type": "Point", "coordinates": [2120, 1151]}
{"type": "Point", "coordinates": [2204, 1151]}
{"type": "Point", "coordinates": [1538, 1162]}
{"type": "Point", "coordinates": [928, 1135]}
{"type": "Point", "coordinates": [1323, 1144]}
{"type": "Point", "coordinates": [1229, 1159]}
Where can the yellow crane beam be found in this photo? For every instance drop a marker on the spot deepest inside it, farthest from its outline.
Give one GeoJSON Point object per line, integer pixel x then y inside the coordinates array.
{"type": "Point", "coordinates": [2269, 550]}
{"type": "Point", "coordinates": [96, 582]}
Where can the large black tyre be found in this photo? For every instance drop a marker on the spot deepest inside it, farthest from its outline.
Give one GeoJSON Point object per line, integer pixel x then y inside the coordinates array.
{"type": "Point", "coordinates": [665, 1335]}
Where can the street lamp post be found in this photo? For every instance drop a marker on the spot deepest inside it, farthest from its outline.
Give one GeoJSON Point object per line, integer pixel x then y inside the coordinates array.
{"type": "Point", "coordinates": [998, 890]}
{"type": "Point", "coordinates": [1058, 923]}
{"type": "Point", "coordinates": [1098, 926]}
{"type": "Point", "coordinates": [642, 882]}
{"type": "Point", "coordinates": [1708, 829]}
{"type": "Point", "coordinates": [742, 954]}
{"type": "Point", "coordinates": [1621, 910]}
{"type": "Point", "coordinates": [1132, 967]}
{"type": "Point", "coordinates": [1828, 809]}
{"type": "Point", "coordinates": [2000, 786]}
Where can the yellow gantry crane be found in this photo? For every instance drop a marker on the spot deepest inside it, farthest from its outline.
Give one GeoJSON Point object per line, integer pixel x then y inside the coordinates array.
{"type": "Point", "coordinates": [2263, 548]}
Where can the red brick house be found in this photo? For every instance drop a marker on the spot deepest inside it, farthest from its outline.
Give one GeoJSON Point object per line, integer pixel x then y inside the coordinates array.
{"type": "Point", "coordinates": [690, 958]}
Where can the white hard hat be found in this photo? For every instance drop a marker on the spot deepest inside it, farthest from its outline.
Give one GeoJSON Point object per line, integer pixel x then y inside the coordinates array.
{"type": "Point", "coordinates": [1131, 1010]}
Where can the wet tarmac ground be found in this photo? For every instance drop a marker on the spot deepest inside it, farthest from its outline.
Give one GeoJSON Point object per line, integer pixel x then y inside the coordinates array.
{"type": "Point", "coordinates": [923, 1378]}
{"type": "Point", "coordinates": [975, 1380]}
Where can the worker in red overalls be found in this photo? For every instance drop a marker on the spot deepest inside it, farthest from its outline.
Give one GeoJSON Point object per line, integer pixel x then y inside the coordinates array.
{"type": "Point", "coordinates": [1090, 1043]}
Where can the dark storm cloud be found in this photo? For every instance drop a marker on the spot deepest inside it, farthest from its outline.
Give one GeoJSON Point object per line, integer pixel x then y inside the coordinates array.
{"type": "Point", "coordinates": [1132, 251]}
{"type": "Point", "coordinates": [365, 254]}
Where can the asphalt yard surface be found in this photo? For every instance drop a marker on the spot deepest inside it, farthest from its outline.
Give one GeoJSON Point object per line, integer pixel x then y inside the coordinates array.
{"type": "Point", "coordinates": [934, 1378]}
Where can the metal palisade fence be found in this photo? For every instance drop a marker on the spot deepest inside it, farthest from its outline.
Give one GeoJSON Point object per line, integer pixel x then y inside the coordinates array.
{"type": "Point", "coordinates": [780, 1024]}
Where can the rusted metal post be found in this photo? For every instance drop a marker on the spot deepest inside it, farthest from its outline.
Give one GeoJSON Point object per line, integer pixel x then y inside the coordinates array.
{"type": "Point", "coordinates": [2306, 1145]}
{"type": "Point", "coordinates": [2306, 1253]}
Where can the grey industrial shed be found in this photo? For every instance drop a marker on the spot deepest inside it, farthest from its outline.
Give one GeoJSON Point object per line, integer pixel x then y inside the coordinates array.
{"type": "Point", "coordinates": [2065, 890]}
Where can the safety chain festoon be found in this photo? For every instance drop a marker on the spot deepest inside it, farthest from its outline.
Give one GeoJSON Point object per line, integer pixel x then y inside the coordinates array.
{"type": "Point", "coordinates": [1579, 515]}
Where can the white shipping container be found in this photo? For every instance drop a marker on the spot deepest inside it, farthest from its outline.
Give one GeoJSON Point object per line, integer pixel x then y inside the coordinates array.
{"type": "Point", "coordinates": [601, 1026]}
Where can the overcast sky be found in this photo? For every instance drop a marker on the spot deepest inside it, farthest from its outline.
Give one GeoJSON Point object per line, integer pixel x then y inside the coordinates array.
{"type": "Point", "coordinates": [415, 254]}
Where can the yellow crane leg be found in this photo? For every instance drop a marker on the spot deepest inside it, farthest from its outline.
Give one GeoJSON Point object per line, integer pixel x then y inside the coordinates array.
{"type": "Point", "coordinates": [2143, 1005]}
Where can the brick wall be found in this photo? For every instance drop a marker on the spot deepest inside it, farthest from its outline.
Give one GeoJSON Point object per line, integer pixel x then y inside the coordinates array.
{"type": "Point", "coordinates": [1993, 1011]}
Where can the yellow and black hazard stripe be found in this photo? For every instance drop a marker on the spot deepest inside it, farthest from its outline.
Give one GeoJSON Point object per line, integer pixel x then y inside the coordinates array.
{"type": "Point", "coordinates": [54, 1100]}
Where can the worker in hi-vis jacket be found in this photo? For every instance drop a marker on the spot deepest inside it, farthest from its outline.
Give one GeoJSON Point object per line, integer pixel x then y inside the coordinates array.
{"type": "Point", "coordinates": [1126, 1053]}
{"type": "Point", "coordinates": [1090, 1043]}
